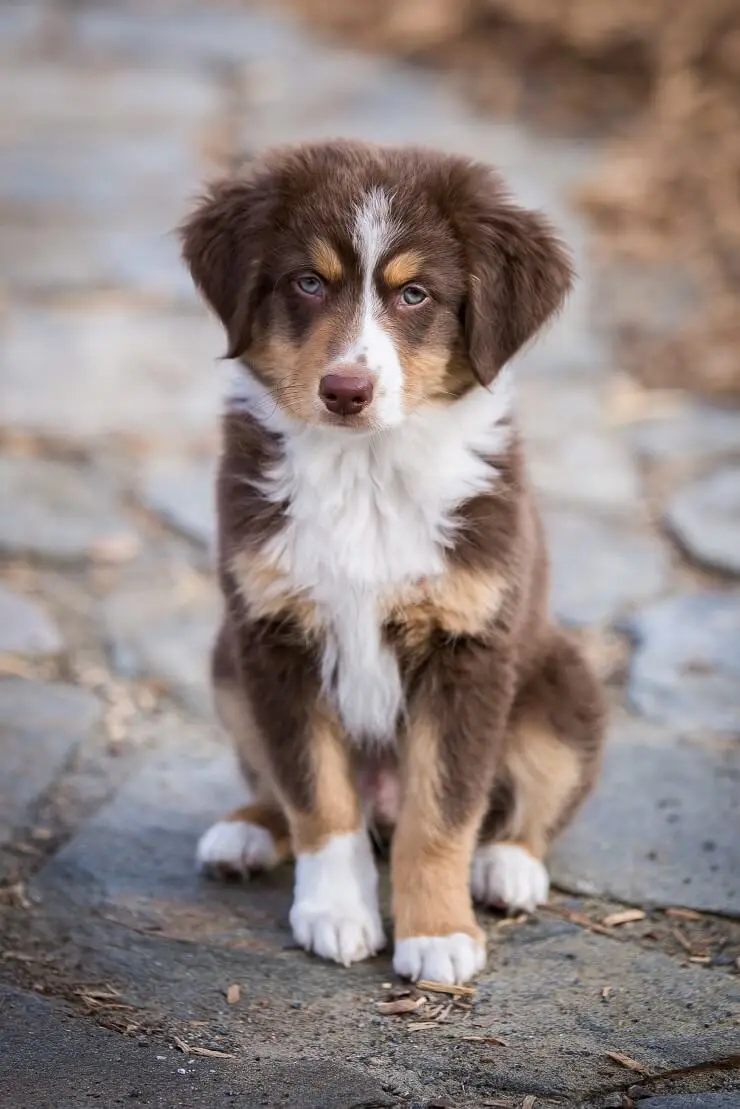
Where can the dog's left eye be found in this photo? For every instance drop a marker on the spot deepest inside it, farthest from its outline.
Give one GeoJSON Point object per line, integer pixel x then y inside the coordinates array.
{"type": "Point", "coordinates": [310, 284]}
{"type": "Point", "coordinates": [413, 295]}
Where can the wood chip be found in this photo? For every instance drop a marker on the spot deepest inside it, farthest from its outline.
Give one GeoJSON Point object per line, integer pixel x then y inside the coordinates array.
{"type": "Point", "coordinates": [529, 1101]}
{"type": "Point", "coordinates": [233, 994]}
{"type": "Point", "coordinates": [208, 1052]}
{"type": "Point", "coordinates": [486, 1040]}
{"type": "Point", "coordinates": [704, 959]}
{"type": "Point", "coordinates": [681, 939]}
{"type": "Point", "coordinates": [421, 1025]}
{"type": "Point", "coordinates": [509, 921]}
{"type": "Point", "coordinates": [625, 1061]}
{"type": "Point", "coordinates": [624, 916]}
{"type": "Point", "coordinates": [683, 914]}
{"type": "Point", "coordinates": [93, 1003]}
{"type": "Point", "coordinates": [442, 987]}
{"type": "Point", "coordinates": [606, 993]}
{"type": "Point", "coordinates": [15, 894]}
{"type": "Point", "coordinates": [580, 919]}
{"type": "Point", "coordinates": [400, 1006]}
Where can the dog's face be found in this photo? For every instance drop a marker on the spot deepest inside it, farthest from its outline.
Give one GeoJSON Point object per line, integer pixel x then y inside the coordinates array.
{"type": "Point", "coordinates": [359, 283]}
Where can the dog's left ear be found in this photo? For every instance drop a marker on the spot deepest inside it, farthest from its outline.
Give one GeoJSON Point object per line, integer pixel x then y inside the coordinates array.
{"type": "Point", "coordinates": [519, 274]}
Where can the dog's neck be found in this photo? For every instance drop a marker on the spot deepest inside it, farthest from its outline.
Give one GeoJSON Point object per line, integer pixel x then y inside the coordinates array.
{"type": "Point", "coordinates": [442, 446]}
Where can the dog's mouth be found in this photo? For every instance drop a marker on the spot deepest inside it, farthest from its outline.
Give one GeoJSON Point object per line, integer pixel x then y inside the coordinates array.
{"type": "Point", "coordinates": [357, 423]}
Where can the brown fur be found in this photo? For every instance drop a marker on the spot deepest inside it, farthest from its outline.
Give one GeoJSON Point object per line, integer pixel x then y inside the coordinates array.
{"type": "Point", "coordinates": [430, 860]}
{"type": "Point", "coordinates": [506, 721]}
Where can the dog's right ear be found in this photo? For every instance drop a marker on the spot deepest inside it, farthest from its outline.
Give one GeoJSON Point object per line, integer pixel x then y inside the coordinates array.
{"type": "Point", "coordinates": [222, 244]}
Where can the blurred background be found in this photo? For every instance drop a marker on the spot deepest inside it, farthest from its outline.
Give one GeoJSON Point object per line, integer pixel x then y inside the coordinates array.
{"type": "Point", "coordinates": [621, 121]}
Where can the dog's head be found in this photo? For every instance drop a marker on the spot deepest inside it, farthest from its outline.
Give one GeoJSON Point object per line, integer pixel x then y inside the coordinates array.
{"type": "Point", "coordinates": [358, 283]}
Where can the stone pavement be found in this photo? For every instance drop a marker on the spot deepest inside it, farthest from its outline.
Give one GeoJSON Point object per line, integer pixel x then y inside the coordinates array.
{"type": "Point", "coordinates": [115, 959]}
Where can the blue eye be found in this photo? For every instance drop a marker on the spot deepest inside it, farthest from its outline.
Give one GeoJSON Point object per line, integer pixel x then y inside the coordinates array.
{"type": "Point", "coordinates": [413, 295]}
{"type": "Point", "coordinates": [310, 284]}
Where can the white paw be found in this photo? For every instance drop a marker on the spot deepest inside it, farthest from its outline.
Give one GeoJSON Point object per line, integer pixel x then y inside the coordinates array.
{"type": "Point", "coordinates": [508, 877]}
{"type": "Point", "coordinates": [235, 847]}
{"type": "Point", "coordinates": [450, 959]}
{"type": "Point", "coordinates": [335, 909]}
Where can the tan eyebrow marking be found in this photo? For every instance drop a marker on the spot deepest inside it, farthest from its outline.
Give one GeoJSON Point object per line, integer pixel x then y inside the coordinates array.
{"type": "Point", "coordinates": [403, 268]}
{"type": "Point", "coordinates": [326, 260]}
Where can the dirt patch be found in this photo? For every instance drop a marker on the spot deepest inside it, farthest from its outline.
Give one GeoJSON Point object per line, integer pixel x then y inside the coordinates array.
{"type": "Point", "coordinates": [662, 78]}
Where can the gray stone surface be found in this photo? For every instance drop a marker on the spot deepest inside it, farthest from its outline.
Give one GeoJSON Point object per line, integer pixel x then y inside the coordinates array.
{"type": "Point", "coordinates": [192, 36]}
{"type": "Point", "coordinates": [686, 666]}
{"type": "Point", "coordinates": [705, 518]}
{"type": "Point", "coordinates": [25, 628]}
{"type": "Point", "coordinates": [51, 1060]}
{"type": "Point", "coordinates": [696, 433]}
{"type": "Point", "coordinates": [141, 256]}
{"type": "Point", "coordinates": [40, 726]}
{"type": "Point", "coordinates": [50, 97]}
{"type": "Point", "coordinates": [728, 1100]}
{"type": "Point", "coordinates": [59, 511]}
{"type": "Point", "coordinates": [183, 493]}
{"type": "Point", "coordinates": [164, 627]}
{"type": "Point", "coordinates": [181, 939]}
{"type": "Point", "coordinates": [662, 826]}
{"type": "Point", "coordinates": [127, 371]}
{"type": "Point", "coordinates": [573, 455]}
{"type": "Point", "coordinates": [599, 566]}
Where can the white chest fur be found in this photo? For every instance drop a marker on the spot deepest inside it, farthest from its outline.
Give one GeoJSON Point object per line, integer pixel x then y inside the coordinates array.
{"type": "Point", "coordinates": [368, 515]}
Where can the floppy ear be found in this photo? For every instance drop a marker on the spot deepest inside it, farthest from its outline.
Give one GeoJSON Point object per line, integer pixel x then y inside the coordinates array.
{"type": "Point", "coordinates": [222, 244]}
{"type": "Point", "coordinates": [519, 275]}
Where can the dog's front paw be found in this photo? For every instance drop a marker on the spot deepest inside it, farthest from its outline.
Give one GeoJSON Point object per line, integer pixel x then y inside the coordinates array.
{"type": "Point", "coordinates": [335, 910]}
{"type": "Point", "coordinates": [341, 932]}
{"type": "Point", "coordinates": [452, 959]}
{"type": "Point", "coordinates": [235, 847]}
{"type": "Point", "coordinates": [506, 876]}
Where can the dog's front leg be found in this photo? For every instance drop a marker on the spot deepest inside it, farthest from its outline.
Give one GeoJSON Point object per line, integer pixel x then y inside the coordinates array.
{"type": "Point", "coordinates": [450, 751]}
{"type": "Point", "coordinates": [307, 758]}
{"type": "Point", "coordinates": [335, 910]}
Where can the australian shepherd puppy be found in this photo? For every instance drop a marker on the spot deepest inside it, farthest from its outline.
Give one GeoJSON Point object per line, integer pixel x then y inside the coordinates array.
{"type": "Point", "coordinates": [386, 660]}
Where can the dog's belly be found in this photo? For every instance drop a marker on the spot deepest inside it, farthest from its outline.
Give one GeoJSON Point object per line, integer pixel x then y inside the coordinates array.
{"type": "Point", "coordinates": [380, 789]}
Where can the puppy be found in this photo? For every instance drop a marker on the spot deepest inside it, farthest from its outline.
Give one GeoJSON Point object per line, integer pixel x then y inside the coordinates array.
{"type": "Point", "coordinates": [386, 658]}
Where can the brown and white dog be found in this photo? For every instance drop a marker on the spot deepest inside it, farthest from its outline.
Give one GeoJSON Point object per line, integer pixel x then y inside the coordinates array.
{"type": "Point", "coordinates": [386, 659]}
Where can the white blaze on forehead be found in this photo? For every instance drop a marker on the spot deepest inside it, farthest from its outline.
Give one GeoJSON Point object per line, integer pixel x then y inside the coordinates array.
{"type": "Point", "coordinates": [373, 234]}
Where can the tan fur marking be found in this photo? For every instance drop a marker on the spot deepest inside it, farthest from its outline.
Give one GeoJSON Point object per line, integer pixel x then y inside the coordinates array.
{"type": "Point", "coordinates": [268, 593]}
{"type": "Point", "coordinates": [235, 715]}
{"type": "Point", "coordinates": [403, 268]}
{"type": "Point", "coordinates": [294, 370]}
{"type": "Point", "coordinates": [430, 864]}
{"type": "Point", "coordinates": [462, 602]}
{"type": "Point", "coordinates": [270, 817]}
{"type": "Point", "coordinates": [546, 773]}
{"type": "Point", "coordinates": [337, 808]}
{"type": "Point", "coordinates": [326, 260]}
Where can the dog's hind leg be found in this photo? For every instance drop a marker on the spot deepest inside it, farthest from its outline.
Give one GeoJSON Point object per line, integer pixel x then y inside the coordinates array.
{"type": "Point", "coordinates": [255, 837]}
{"type": "Point", "coordinates": [552, 758]}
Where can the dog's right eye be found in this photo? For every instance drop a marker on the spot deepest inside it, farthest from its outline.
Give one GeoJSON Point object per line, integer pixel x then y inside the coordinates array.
{"type": "Point", "coordinates": [309, 284]}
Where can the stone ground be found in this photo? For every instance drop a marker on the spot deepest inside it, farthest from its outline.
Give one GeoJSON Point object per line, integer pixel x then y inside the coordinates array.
{"type": "Point", "coordinates": [115, 959]}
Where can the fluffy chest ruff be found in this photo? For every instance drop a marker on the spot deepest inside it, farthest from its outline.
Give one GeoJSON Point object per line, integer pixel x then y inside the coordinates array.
{"type": "Point", "coordinates": [364, 529]}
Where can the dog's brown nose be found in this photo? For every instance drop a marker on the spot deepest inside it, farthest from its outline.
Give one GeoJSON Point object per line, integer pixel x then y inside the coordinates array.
{"type": "Point", "coordinates": [346, 394]}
